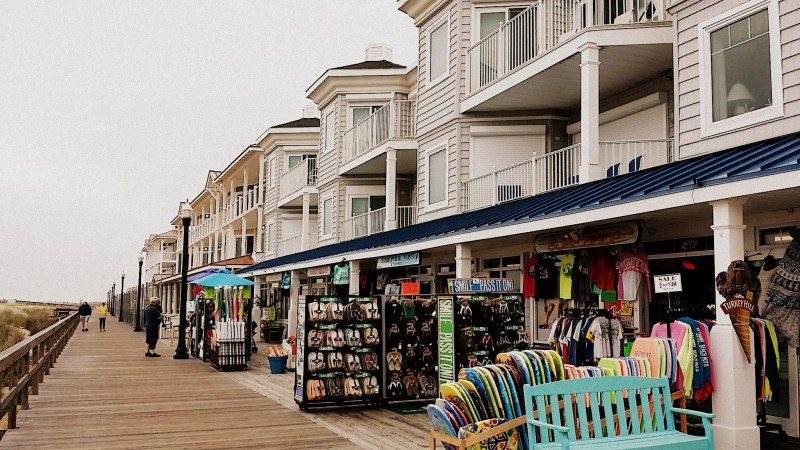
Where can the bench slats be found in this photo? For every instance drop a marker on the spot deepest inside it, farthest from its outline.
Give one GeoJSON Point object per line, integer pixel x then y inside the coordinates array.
{"type": "Point", "coordinates": [621, 417]}
{"type": "Point", "coordinates": [584, 426]}
{"type": "Point", "coordinates": [605, 397]}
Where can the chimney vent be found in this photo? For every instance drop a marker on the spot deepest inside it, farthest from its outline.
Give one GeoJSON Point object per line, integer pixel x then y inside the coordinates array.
{"type": "Point", "coordinates": [378, 52]}
{"type": "Point", "coordinates": [310, 112]}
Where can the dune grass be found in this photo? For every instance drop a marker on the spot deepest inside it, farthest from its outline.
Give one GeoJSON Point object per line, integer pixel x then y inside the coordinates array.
{"type": "Point", "coordinates": [18, 321]}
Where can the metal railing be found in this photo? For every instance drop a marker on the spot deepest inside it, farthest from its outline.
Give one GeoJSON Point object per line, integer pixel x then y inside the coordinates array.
{"type": "Point", "coordinates": [621, 157]}
{"type": "Point", "coordinates": [294, 244]}
{"type": "Point", "coordinates": [396, 120]}
{"type": "Point", "coordinates": [543, 26]}
{"type": "Point", "coordinates": [551, 171]}
{"type": "Point", "coordinates": [23, 366]}
{"type": "Point", "coordinates": [302, 175]}
{"type": "Point", "coordinates": [364, 224]}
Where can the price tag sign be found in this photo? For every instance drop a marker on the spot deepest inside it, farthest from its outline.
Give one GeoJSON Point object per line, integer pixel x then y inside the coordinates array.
{"type": "Point", "coordinates": [627, 308]}
{"type": "Point", "coordinates": [667, 283]}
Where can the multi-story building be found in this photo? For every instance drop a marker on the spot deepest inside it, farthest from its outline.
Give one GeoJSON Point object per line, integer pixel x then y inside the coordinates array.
{"type": "Point", "coordinates": [556, 125]}
{"type": "Point", "coordinates": [160, 260]}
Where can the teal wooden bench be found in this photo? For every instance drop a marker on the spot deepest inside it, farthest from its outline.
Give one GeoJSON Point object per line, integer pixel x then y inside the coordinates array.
{"type": "Point", "coordinates": [622, 412]}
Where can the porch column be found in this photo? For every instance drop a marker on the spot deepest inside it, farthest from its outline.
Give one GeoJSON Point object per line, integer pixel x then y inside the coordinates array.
{"type": "Point", "coordinates": [463, 261]}
{"type": "Point", "coordinates": [355, 268]}
{"type": "Point", "coordinates": [734, 399]}
{"type": "Point", "coordinates": [243, 250]}
{"type": "Point", "coordinates": [173, 293]}
{"type": "Point", "coordinates": [590, 110]}
{"type": "Point", "coordinates": [259, 245]}
{"type": "Point", "coordinates": [391, 189]}
{"type": "Point", "coordinates": [304, 224]}
{"type": "Point", "coordinates": [261, 179]}
{"type": "Point", "coordinates": [294, 300]}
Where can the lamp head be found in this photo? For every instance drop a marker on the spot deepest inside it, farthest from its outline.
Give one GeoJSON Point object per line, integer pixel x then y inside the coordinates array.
{"type": "Point", "coordinates": [186, 210]}
{"type": "Point", "coordinates": [739, 97]}
{"type": "Point", "coordinates": [141, 259]}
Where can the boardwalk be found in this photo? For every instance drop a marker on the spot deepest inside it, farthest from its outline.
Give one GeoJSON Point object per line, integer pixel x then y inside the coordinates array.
{"type": "Point", "coordinates": [103, 393]}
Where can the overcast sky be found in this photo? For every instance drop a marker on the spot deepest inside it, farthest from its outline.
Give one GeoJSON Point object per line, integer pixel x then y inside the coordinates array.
{"type": "Point", "coordinates": [111, 112]}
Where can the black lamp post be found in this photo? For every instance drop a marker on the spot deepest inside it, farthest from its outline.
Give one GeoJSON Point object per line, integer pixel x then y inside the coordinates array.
{"type": "Point", "coordinates": [138, 326]}
{"type": "Point", "coordinates": [113, 295]}
{"type": "Point", "coordinates": [121, 296]}
{"type": "Point", "coordinates": [186, 217]}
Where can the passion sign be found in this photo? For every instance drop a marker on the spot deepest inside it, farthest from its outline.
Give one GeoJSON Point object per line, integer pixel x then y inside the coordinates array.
{"type": "Point", "coordinates": [622, 233]}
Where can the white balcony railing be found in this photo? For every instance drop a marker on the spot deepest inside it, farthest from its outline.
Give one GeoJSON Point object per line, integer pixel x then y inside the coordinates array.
{"type": "Point", "coordinates": [406, 216]}
{"type": "Point", "coordinates": [298, 177]}
{"type": "Point", "coordinates": [544, 25]}
{"type": "Point", "coordinates": [294, 244]}
{"type": "Point", "coordinates": [621, 157]}
{"type": "Point", "coordinates": [364, 224]}
{"type": "Point", "coordinates": [539, 174]}
{"type": "Point", "coordinates": [560, 169]}
{"type": "Point", "coordinates": [396, 120]}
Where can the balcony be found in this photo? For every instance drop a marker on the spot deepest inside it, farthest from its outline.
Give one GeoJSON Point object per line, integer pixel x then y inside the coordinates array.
{"type": "Point", "coordinates": [375, 222]}
{"type": "Point", "coordinates": [392, 126]}
{"type": "Point", "coordinates": [293, 244]}
{"type": "Point", "coordinates": [544, 42]}
{"type": "Point", "coordinates": [559, 169]}
{"type": "Point", "coordinates": [298, 180]}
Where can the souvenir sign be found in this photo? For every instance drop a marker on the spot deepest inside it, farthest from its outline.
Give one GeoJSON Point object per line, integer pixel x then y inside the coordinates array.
{"type": "Point", "coordinates": [459, 285]}
{"type": "Point", "coordinates": [321, 271]}
{"type": "Point", "coordinates": [667, 283]}
{"type": "Point", "coordinates": [446, 351]}
{"type": "Point", "coordinates": [403, 259]}
{"type": "Point", "coordinates": [605, 236]}
{"type": "Point", "coordinates": [409, 288]}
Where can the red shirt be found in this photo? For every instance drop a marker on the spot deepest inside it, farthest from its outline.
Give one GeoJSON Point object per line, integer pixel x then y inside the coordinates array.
{"type": "Point", "coordinates": [529, 278]}
{"type": "Point", "coordinates": [602, 269]}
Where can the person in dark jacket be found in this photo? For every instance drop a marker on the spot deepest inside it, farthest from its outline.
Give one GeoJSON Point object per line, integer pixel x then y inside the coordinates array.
{"type": "Point", "coordinates": [152, 322]}
{"type": "Point", "coordinates": [84, 311]}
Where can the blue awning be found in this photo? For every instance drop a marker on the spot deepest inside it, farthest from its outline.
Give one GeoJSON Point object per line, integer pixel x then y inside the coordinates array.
{"type": "Point", "coordinates": [748, 161]}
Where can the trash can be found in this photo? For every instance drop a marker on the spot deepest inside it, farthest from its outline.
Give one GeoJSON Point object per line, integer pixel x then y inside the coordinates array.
{"type": "Point", "coordinates": [277, 364]}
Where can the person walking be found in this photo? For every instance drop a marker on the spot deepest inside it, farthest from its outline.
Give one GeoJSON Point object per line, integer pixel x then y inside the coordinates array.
{"type": "Point", "coordinates": [152, 322]}
{"type": "Point", "coordinates": [85, 311]}
{"type": "Point", "coordinates": [102, 311]}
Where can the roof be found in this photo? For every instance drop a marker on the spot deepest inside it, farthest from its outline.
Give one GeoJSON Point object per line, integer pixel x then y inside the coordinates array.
{"type": "Point", "coordinates": [749, 161]}
{"type": "Point", "coordinates": [366, 65]}
{"type": "Point", "coordinates": [241, 261]}
{"type": "Point", "coordinates": [305, 122]}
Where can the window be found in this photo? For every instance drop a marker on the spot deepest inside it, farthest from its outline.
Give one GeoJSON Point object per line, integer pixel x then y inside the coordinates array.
{"type": "Point", "coordinates": [269, 233]}
{"type": "Point", "coordinates": [359, 113]}
{"type": "Point", "coordinates": [327, 217]}
{"type": "Point", "coordinates": [740, 68]}
{"type": "Point", "coordinates": [329, 131]}
{"type": "Point", "coordinates": [438, 51]}
{"type": "Point", "coordinates": [775, 236]}
{"type": "Point", "coordinates": [437, 177]}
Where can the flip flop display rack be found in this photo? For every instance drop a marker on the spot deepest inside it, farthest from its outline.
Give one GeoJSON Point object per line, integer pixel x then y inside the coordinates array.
{"type": "Point", "coordinates": [411, 348]}
{"type": "Point", "coordinates": [339, 354]}
{"type": "Point", "coordinates": [488, 324]}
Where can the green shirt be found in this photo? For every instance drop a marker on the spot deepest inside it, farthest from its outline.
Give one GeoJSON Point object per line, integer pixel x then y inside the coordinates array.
{"type": "Point", "coordinates": [341, 274]}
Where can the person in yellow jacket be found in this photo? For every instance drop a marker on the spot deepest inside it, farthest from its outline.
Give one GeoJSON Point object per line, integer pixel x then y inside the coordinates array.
{"type": "Point", "coordinates": [102, 311]}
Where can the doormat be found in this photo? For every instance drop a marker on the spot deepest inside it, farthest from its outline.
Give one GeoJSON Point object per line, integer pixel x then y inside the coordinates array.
{"type": "Point", "coordinates": [405, 410]}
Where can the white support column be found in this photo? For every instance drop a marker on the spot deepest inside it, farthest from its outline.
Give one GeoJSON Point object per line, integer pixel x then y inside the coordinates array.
{"type": "Point", "coordinates": [259, 246]}
{"type": "Point", "coordinates": [304, 225]}
{"type": "Point", "coordinates": [734, 399]}
{"type": "Point", "coordinates": [294, 299]}
{"type": "Point", "coordinates": [463, 261]}
{"type": "Point", "coordinates": [174, 292]}
{"type": "Point", "coordinates": [246, 180]}
{"type": "Point", "coordinates": [391, 189]}
{"type": "Point", "coordinates": [261, 179]}
{"type": "Point", "coordinates": [355, 267]}
{"type": "Point", "coordinates": [244, 237]}
{"type": "Point", "coordinates": [590, 111]}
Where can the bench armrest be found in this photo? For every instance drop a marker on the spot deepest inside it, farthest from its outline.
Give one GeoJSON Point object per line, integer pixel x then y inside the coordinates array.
{"type": "Point", "coordinates": [691, 412]}
{"type": "Point", "coordinates": [550, 426]}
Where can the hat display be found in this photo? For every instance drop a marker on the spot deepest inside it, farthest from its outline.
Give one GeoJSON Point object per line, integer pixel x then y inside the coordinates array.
{"type": "Point", "coordinates": [741, 291]}
{"type": "Point", "coordinates": [783, 297]}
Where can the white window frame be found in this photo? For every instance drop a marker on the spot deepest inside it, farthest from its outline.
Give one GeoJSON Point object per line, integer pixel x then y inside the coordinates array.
{"type": "Point", "coordinates": [272, 176]}
{"type": "Point", "coordinates": [442, 146]}
{"type": "Point", "coordinates": [330, 117]}
{"type": "Point", "coordinates": [269, 243]}
{"type": "Point", "coordinates": [322, 234]}
{"type": "Point", "coordinates": [503, 8]}
{"type": "Point", "coordinates": [372, 106]}
{"type": "Point", "coordinates": [707, 125]}
{"type": "Point", "coordinates": [445, 20]}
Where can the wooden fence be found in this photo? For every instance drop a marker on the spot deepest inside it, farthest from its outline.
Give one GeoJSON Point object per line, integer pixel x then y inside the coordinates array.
{"type": "Point", "coordinates": [23, 366]}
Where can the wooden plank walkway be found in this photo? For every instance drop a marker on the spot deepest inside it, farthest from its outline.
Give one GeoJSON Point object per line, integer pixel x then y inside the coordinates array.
{"type": "Point", "coordinates": [103, 393]}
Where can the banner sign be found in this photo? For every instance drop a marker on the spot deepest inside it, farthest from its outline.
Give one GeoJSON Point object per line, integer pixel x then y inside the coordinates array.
{"type": "Point", "coordinates": [447, 362]}
{"type": "Point", "coordinates": [736, 304]}
{"type": "Point", "coordinates": [320, 271]}
{"type": "Point", "coordinates": [667, 283]}
{"type": "Point", "coordinates": [622, 233]}
{"type": "Point", "coordinates": [301, 343]}
{"type": "Point", "coordinates": [402, 259]}
{"type": "Point", "coordinates": [409, 288]}
{"type": "Point", "coordinates": [459, 285]}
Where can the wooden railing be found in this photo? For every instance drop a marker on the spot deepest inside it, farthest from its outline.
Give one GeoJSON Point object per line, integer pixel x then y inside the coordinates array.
{"type": "Point", "coordinates": [23, 366]}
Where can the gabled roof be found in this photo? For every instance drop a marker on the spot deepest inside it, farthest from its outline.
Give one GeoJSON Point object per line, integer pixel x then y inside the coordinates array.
{"type": "Point", "coordinates": [745, 162]}
{"type": "Point", "coordinates": [305, 122]}
{"type": "Point", "coordinates": [366, 65]}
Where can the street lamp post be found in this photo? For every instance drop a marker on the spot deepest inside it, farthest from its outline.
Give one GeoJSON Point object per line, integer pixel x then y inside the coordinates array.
{"type": "Point", "coordinates": [113, 295]}
{"type": "Point", "coordinates": [138, 314]}
{"type": "Point", "coordinates": [121, 296]}
{"type": "Point", "coordinates": [186, 217]}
